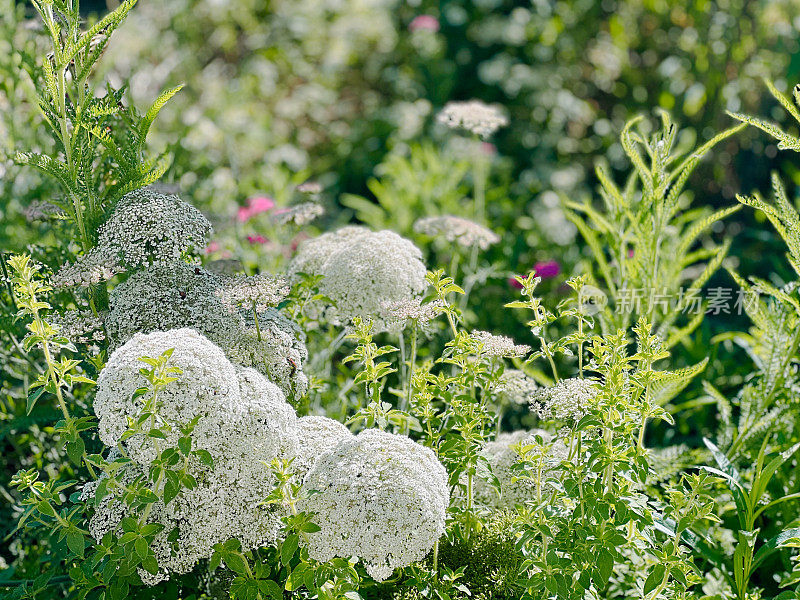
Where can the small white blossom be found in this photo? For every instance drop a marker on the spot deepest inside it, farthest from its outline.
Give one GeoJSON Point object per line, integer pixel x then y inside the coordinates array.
{"type": "Point", "coordinates": [317, 435]}
{"type": "Point", "coordinates": [567, 400]}
{"type": "Point", "coordinates": [148, 227]}
{"type": "Point", "coordinates": [516, 387]}
{"type": "Point", "coordinates": [457, 229]}
{"type": "Point", "coordinates": [502, 455]}
{"type": "Point", "coordinates": [261, 291]}
{"type": "Point", "coordinates": [361, 271]}
{"type": "Point", "coordinates": [88, 270]}
{"type": "Point", "coordinates": [309, 187]}
{"type": "Point", "coordinates": [80, 326]}
{"type": "Point", "coordinates": [380, 497]}
{"type": "Point", "coordinates": [498, 345]}
{"type": "Point", "coordinates": [300, 214]}
{"type": "Point", "coordinates": [476, 117]}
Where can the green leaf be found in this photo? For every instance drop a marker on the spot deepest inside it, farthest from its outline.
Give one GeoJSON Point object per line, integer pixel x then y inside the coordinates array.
{"type": "Point", "coordinates": [289, 547]}
{"type": "Point", "coordinates": [33, 396]}
{"type": "Point", "coordinates": [270, 589]}
{"type": "Point", "coordinates": [76, 542]}
{"type": "Point", "coordinates": [773, 544]}
{"type": "Point", "coordinates": [655, 578]}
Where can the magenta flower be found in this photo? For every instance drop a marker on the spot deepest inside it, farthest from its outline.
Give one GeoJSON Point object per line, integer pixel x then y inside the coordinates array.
{"type": "Point", "coordinates": [212, 247]}
{"type": "Point", "coordinates": [547, 269]}
{"type": "Point", "coordinates": [424, 23]}
{"type": "Point", "coordinates": [257, 239]}
{"type": "Point", "coordinates": [512, 281]}
{"type": "Point", "coordinates": [255, 206]}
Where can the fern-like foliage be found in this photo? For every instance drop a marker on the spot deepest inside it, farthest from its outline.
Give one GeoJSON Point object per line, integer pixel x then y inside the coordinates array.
{"type": "Point", "coordinates": [647, 240]}
{"type": "Point", "coordinates": [101, 141]}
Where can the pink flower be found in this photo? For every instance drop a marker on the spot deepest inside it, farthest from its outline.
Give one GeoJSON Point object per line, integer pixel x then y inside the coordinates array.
{"type": "Point", "coordinates": [212, 247]}
{"type": "Point", "coordinates": [488, 148]}
{"type": "Point", "coordinates": [257, 239]}
{"type": "Point", "coordinates": [547, 269]}
{"type": "Point", "coordinates": [255, 206]}
{"type": "Point", "coordinates": [424, 23]}
{"type": "Point", "coordinates": [630, 253]}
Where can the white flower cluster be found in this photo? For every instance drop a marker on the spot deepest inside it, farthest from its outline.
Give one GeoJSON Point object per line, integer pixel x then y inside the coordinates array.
{"type": "Point", "coordinates": [41, 210]}
{"type": "Point", "coordinates": [502, 455]}
{"type": "Point", "coordinates": [149, 227]}
{"type": "Point", "coordinates": [262, 291]}
{"type": "Point", "coordinates": [567, 400]}
{"type": "Point", "coordinates": [379, 496]}
{"type": "Point", "coordinates": [476, 117]}
{"type": "Point", "coordinates": [79, 326]}
{"type": "Point", "coordinates": [457, 229]}
{"type": "Point", "coordinates": [361, 271]}
{"type": "Point", "coordinates": [498, 345]}
{"type": "Point", "coordinates": [89, 269]}
{"type": "Point", "coordinates": [245, 423]}
{"type": "Point", "coordinates": [318, 436]}
{"type": "Point", "coordinates": [300, 214]}
{"type": "Point", "coordinates": [516, 387]}
{"type": "Point", "coordinates": [397, 314]}
{"type": "Point", "coordinates": [164, 297]}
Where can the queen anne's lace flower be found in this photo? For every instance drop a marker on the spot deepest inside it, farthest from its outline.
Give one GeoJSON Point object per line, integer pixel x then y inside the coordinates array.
{"type": "Point", "coordinates": [502, 455]}
{"type": "Point", "coordinates": [300, 214]}
{"type": "Point", "coordinates": [567, 400]}
{"type": "Point", "coordinates": [516, 387]}
{"type": "Point", "coordinates": [474, 116]}
{"type": "Point", "coordinates": [498, 345]}
{"type": "Point", "coordinates": [148, 227]}
{"type": "Point", "coordinates": [79, 326]}
{"type": "Point", "coordinates": [262, 291]}
{"type": "Point", "coordinates": [398, 314]}
{"type": "Point", "coordinates": [89, 269]}
{"type": "Point", "coordinates": [244, 423]}
{"type": "Point", "coordinates": [381, 497]}
{"type": "Point", "coordinates": [164, 297]}
{"type": "Point", "coordinates": [361, 271]}
{"type": "Point", "coordinates": [457, 229]}
{"type": "Point", "coordinates": [317, 435]}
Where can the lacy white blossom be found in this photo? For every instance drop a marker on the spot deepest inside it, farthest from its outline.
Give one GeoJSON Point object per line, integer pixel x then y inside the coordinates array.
{"type": "Point", "coordinates": [164, 297]}
{"type": "Point", "coordinates": [41, 210]}
{"type": "Point", "coordinates": [244, 423]}
{"type": "Point", "coordinates": [260, 291]}
{"type": "Point", "coordinates": [361, 270]}
{"type": "Point", "coordinates": [79, 326]}
{"type": "Point", "coordinates": [381, 497]}
{"type": "Point", "coordinates": [276, 347]}
{"type": "Point", "coordinates": [474, 116]}
{"type": "Point", "coordinates": [310, 187]}
{"type": "Point", "coordinates": [502, 456]}
{"type": "Point", "coordinates": [300, 214]}
{"type": "Point", "coordinates": [89, 269]}
{"type": "Point", "coordinates": [397, 314]}
{"type": "Point", "coordinates": [148, 227]}
{"type": "Point", "coordinates": [317, 435]}
{"type": "Point", "coordinates": [498, 345]}
{"type": "Point", "coordinates": [457, 229]}
{"type": "Point", "coordinates": [516, 387]}
{"type": "Point", "coordinates": [567, 400]}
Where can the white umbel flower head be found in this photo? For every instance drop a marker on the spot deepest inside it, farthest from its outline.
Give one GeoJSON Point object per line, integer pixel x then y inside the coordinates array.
{"type": "Point", "coordinates": [567, 400]}
{"type": "Point", "coordinates": [516, 387]}
{"type": "Point", "coordinates": [245, 423]}
{"type": "Point", "coordinates": [380, 497]}
{"type": "Point", "coordinates": [474, 116]}
{"type": "Point", "coordinates": [464, 232]}
{"type": "Point", "coordinates": [502, 455]}
{"type": "Point", "coordinates": [208, 386]}
{"type": "Point", "coordinates": [317, 435]}
{"type": "Point", "coordinates": [361, 271]}
{"type": "Point", "coordinates": [149, 227]}
{"type": "Point", "coordinates": [164, 297]}
{"type": "Point", "coordinates": [492, 345]}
